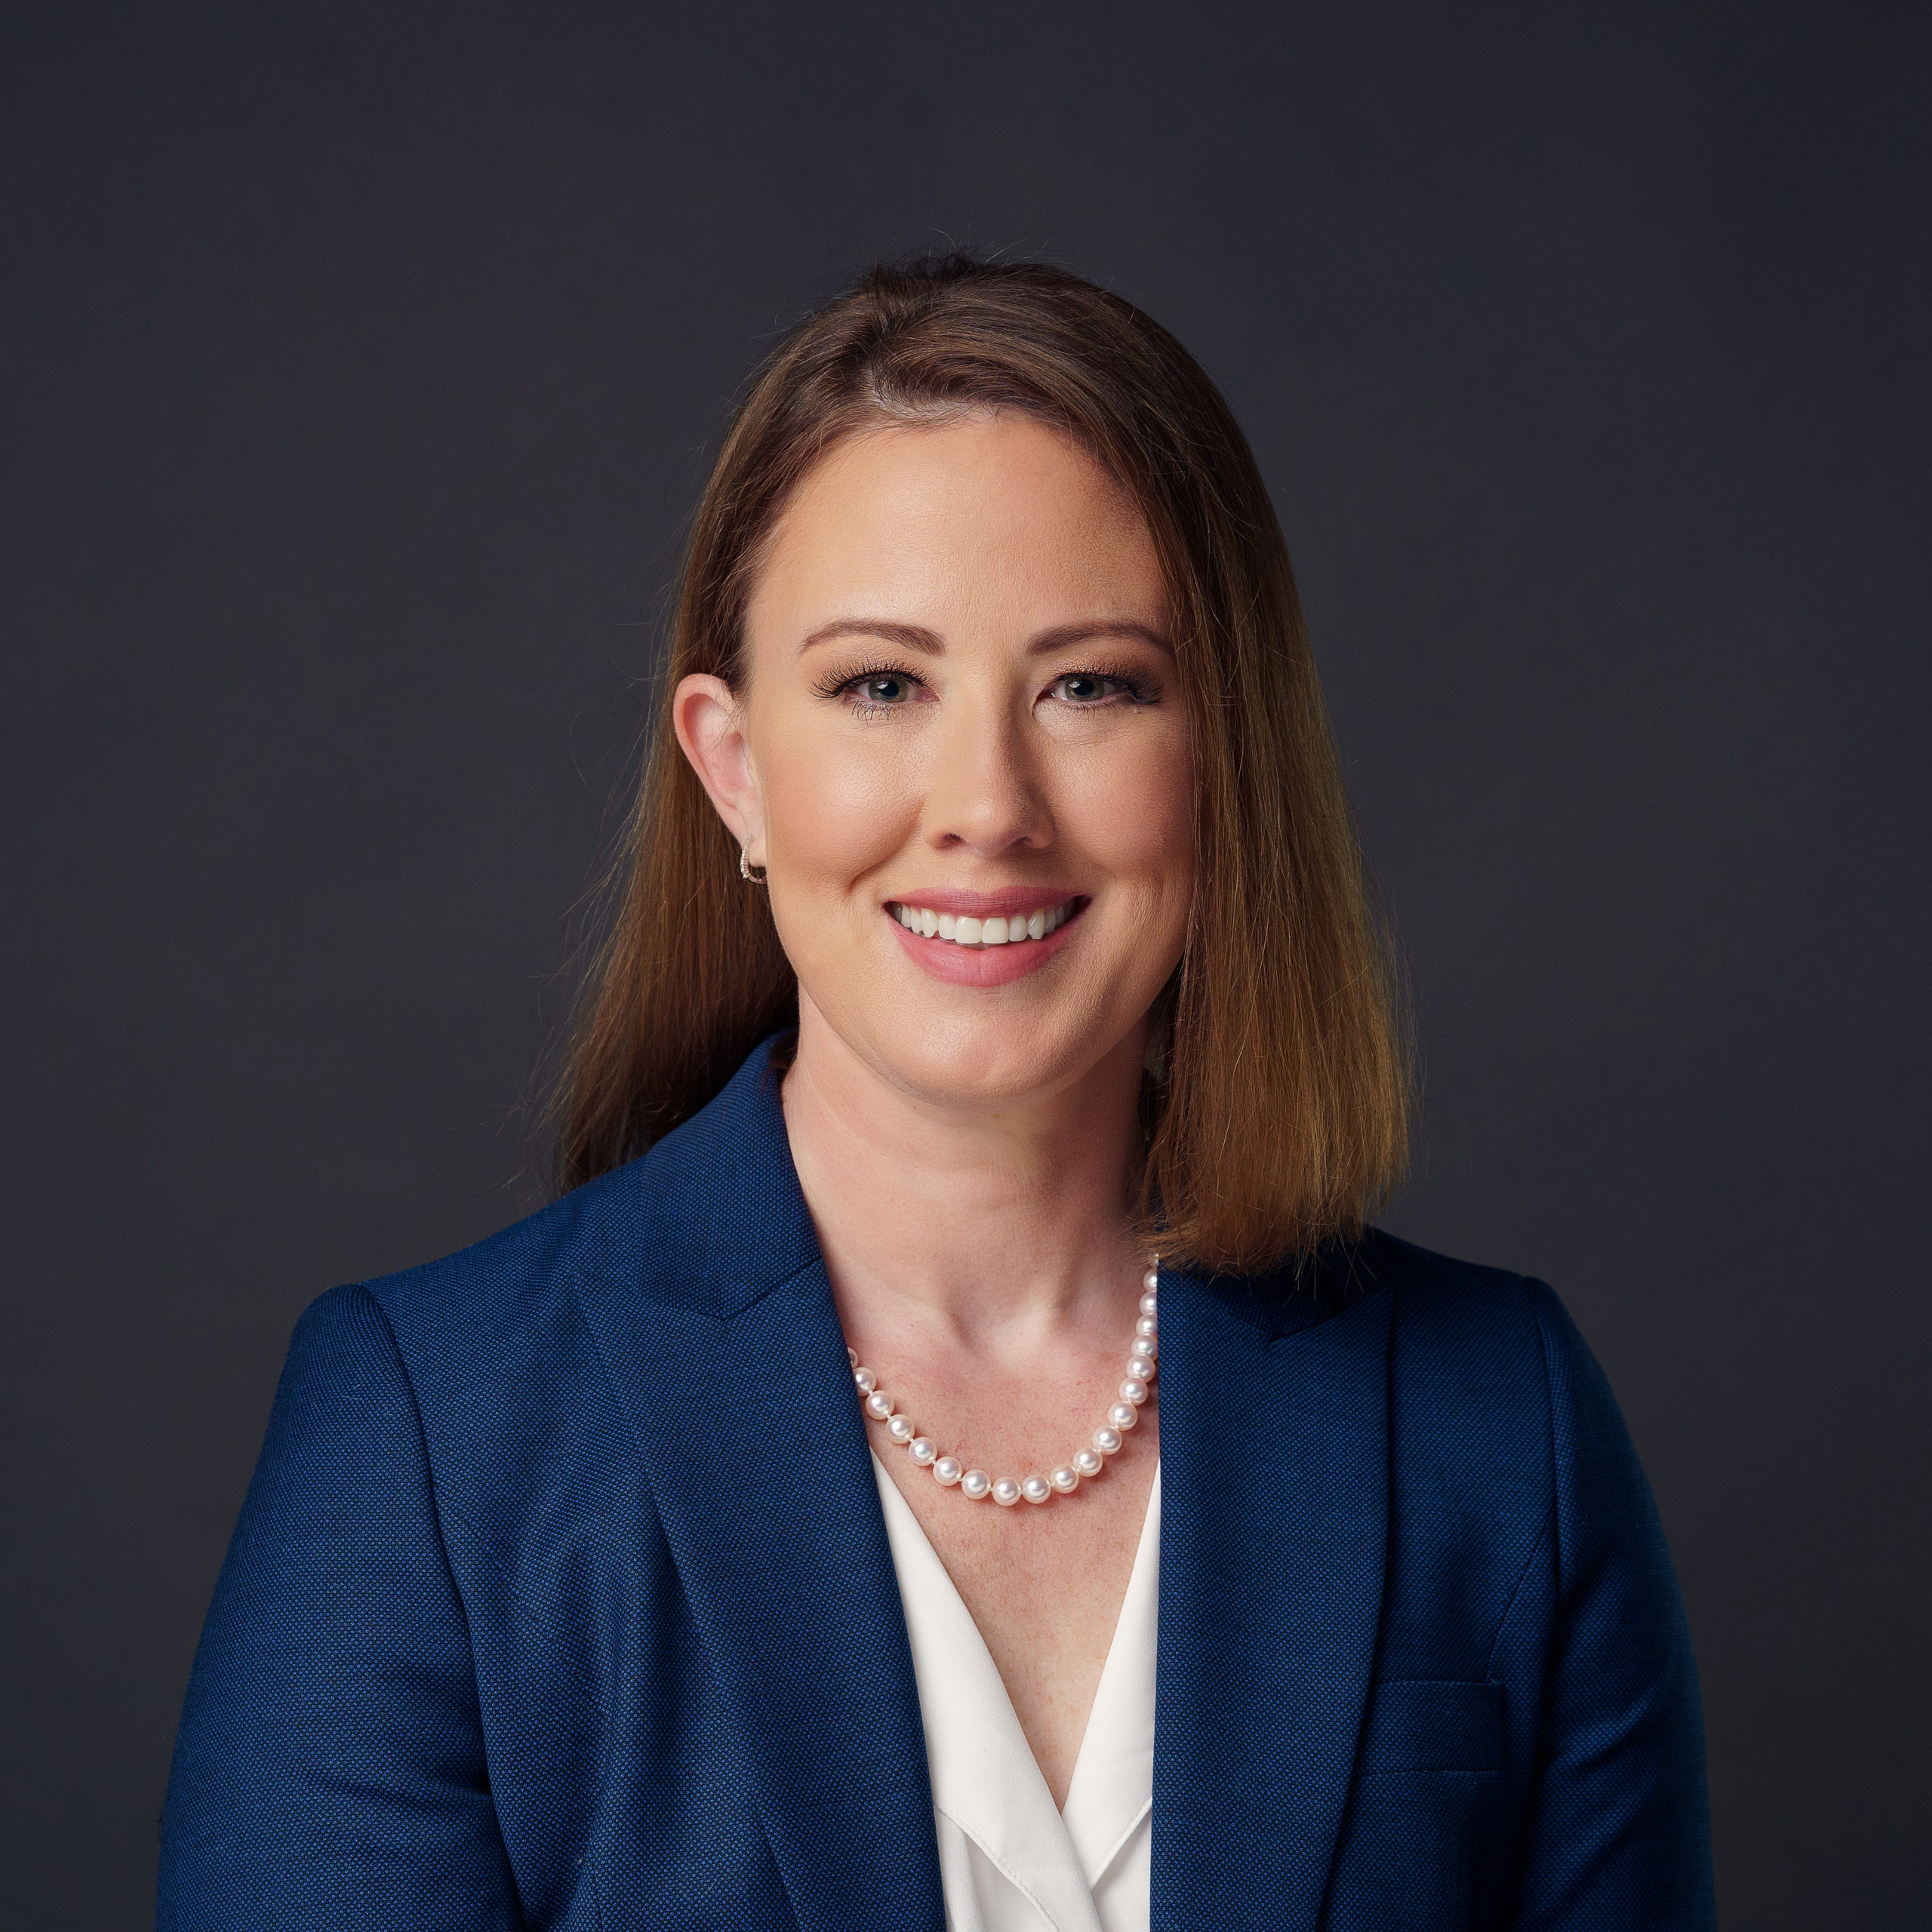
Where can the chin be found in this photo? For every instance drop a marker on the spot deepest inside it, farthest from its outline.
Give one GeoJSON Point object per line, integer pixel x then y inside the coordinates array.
{"type": "Point", "coordinates": [982, 1050]}
{"type": "Point", "coordinates": [988, 1064]}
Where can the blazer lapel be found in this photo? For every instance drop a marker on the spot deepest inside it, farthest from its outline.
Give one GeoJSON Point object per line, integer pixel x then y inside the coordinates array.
{"type": "Point", "coordinates": [725, 1348]}
{"type": "Point", "coordinates": [1274, 1470]}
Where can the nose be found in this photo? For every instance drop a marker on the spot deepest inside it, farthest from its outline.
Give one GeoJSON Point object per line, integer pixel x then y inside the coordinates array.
{"type": "Point", "coordinates": [983, 793]}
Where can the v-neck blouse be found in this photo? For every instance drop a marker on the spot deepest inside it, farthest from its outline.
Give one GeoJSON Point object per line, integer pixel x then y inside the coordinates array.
{"type": "Point", "coordinates": [1009, 1861]}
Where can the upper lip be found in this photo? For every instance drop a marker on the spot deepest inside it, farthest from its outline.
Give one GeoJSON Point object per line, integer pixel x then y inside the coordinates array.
{"type": "Point", "coordinates": [1000, 903]}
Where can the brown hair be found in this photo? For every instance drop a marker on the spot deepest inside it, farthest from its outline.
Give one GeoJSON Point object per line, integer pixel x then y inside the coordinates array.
{"type": "Point", "coordinates": [1281, 1117]}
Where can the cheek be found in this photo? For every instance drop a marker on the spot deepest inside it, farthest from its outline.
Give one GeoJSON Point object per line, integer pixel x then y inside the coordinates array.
{"type": "Point", "coordinates": [830, 815]}
{"type": "Point", "coordinates": [1135, 815]}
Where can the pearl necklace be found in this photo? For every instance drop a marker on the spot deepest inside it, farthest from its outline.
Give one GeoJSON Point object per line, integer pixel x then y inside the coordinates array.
{"type": "Point", "coordinates": [1086, 1463]}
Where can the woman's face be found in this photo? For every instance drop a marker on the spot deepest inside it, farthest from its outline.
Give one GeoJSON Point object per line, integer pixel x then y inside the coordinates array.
{"type": "Point", "coordinates": [960, 749]}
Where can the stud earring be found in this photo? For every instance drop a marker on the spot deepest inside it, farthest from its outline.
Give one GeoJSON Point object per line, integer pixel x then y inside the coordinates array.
{"type": "Point", "coordinates": [746, 870]}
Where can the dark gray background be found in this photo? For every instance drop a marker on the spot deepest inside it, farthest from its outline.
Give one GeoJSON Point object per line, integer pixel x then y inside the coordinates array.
{"type": "Point", "coordinates": [357, 367]}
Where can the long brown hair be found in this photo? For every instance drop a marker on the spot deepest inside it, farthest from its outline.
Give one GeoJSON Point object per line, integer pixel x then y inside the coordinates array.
{"type": "Point", "coordinates": [1280, 1117]}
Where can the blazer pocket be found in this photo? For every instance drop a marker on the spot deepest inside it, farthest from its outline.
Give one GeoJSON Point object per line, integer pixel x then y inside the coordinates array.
{"type": "Point", "coordinates": [1433, 1724]}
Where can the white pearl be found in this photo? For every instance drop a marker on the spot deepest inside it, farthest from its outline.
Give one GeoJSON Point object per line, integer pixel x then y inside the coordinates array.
{"type": "Point", "coordinates": [1108, 1440]}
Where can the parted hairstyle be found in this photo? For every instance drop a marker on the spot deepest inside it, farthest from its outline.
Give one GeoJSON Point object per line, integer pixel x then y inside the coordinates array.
{"type": "Point", "coordinates": [1278, 1117]}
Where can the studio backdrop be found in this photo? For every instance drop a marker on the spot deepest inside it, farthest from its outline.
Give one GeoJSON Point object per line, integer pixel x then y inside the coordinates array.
{"type": "Point", "coordinates": [358, 367]}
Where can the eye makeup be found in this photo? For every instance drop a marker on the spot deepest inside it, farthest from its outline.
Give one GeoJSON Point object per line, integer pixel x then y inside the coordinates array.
{"type": "Point", "coordinates": [1132, 684]}
{"type": "Point", "coordinates": [841, 680]}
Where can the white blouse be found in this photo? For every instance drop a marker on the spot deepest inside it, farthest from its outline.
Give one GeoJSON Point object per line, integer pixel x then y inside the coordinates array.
{"type": "Point", "coordinates": [1009, 1862]}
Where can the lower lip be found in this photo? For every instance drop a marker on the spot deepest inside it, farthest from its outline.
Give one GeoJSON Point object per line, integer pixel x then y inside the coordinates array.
{"type": "Point", "coordinates": [984, 965]}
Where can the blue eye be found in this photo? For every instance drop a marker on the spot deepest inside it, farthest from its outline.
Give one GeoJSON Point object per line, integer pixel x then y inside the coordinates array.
{"type": "Point", "coordinates": [1090, 688]}
{"type": "Point", "coordinates": [864, 687]}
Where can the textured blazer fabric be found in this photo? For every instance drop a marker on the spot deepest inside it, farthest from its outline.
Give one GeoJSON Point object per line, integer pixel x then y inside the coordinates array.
{"type": "Point", "coordinates": [561, 1597]}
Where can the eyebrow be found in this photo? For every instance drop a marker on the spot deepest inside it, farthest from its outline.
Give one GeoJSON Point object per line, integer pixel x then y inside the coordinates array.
{"type": "Point", "coordinates": [916, 637]}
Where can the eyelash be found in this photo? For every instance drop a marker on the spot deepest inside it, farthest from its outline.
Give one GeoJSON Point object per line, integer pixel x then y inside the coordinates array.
{"type": "Point", "coordinates": [1135, 686]}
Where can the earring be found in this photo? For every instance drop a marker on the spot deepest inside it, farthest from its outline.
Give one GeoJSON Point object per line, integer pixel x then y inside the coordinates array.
{"type": "Point", "coordinates": [746, 870]}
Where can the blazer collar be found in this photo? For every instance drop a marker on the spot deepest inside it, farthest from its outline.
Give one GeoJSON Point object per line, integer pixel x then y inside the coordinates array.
{"type": "Point", "coordinates": [712, 1309]}
{"type": "Point", "coordinates": [1275, 1465]}
{"type": "Point", "coordinates": [723, 1346]}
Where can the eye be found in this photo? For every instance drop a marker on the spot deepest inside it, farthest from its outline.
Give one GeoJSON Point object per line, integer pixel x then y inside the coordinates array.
{"type": "Point", "coordinates": [869, 689]}
{"type": "Point", "coordinates": [1092, 688]}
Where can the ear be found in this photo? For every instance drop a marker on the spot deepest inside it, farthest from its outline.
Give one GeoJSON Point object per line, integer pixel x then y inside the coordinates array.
{"type": "Point", "coordinates": [709, 723]}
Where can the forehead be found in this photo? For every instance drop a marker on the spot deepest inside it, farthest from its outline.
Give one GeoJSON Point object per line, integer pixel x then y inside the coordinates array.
{"type": "Point", "coordinates": [986, 517]}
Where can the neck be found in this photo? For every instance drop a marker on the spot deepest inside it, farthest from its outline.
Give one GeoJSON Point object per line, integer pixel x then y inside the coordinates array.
{"type": "Point", "coordinates": [983, 1221]}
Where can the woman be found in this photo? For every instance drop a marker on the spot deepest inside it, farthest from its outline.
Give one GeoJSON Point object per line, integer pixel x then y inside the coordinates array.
{"type": "Point", "coordinates": [995, 924]}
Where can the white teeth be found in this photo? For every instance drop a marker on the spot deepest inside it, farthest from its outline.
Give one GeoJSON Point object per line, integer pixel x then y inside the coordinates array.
{"type": "Point", "coordinates": [962, 931]}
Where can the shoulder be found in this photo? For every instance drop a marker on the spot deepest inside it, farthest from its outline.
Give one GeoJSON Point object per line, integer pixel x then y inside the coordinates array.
{"type": "Point", "coordinates": [703, 1223]}
{"type": "Point", "coordinates": [502, 1296]}
{"type": "Point", "coordinates": [473, 1360]}
{"type": "Point", "coordinates": [1492, 1386]}
{"type": "Point", "coordinates": [1485, 1366]}
{"type": "Point", "coordinates": [476, 1361]}
{"type": "Point", "coordinates": [503, 1367]}
{"type": "Point", "coordinates": [1458, 1321]}
{"type": "Point", "coordinates": [1477, 1362]}
{"type": "Point", "coordinates": [504, 1345]}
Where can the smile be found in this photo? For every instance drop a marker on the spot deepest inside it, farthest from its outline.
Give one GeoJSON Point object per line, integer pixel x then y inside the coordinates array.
{"type": "Point", "coordinates": [960, 930]}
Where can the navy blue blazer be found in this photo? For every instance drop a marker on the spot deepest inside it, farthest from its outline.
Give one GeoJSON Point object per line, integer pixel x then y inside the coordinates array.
{"type": "Point", "coordinates": [561, 1597]}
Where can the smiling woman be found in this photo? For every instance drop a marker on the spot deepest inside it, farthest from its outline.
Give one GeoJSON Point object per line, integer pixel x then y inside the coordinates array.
{"type": "Point", "coordinates": [949, 471]}
{"type": "Point", "coordinates": [979, 1102]}
{"type": "Point", "coordinates": [1022, 751]}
